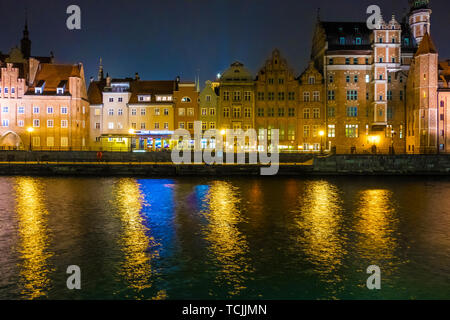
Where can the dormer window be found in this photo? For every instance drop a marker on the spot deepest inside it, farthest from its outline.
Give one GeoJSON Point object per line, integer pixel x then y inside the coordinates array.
{"type": "Point", "coordinates": [143, 98]}
{"type": "Point", "coordinates": [186, 99]}
{"type": "Point", "coordinates": [61, 87]}
{"type": "Point", "coordinates": [39, 89]}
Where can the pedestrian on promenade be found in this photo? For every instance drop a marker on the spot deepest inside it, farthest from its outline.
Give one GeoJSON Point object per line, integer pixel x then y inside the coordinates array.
{"type": "Point", "coordinates": [99, 156]}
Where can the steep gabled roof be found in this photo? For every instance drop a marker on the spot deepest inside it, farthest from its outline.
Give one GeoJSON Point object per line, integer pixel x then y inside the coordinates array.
{"type": "Point", "coordinates": [426, 46]}
{"type": "Point", "coordinates": [53, 74]}
{"type": "Point", "coordinates": [95, 90]}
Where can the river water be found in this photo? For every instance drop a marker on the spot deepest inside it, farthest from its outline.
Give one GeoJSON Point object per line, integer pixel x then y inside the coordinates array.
{"type": "Point", "coordinates": [208, 238]}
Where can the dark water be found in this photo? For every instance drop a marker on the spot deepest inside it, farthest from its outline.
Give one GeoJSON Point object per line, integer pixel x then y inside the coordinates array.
{"type": "Point", "coordinates": [194, 238]}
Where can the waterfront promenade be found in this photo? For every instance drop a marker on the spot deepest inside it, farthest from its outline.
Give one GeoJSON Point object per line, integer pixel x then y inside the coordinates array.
{"type": "Point", "coordinates": [160, 164]}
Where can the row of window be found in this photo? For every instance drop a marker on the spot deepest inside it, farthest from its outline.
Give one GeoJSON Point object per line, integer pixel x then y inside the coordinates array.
{"type": "Point", "coordinates": [37, 110]}
{"type": "Point", "coordinates": [6, 90]}
{"type": "Point", "coordinates": [237, 96]}
{"type": "Point", "coordinates": [349, 60]}
{"type": "Point", "coordinates": [50, 141]}
{"type": "Point", "coordinates": [212, 111]}
{"type": "Point", "coordinates": [237, 112]}
{"type": "Point", "coordinates": [355, 78]}
{"type": "Point", "coordinates": [37, 123]}
{"type": "Point", "coordinates": [271, 112]}
{"type": "Point", "coordinates": [271, 96]}
{"type": "Point", "coordinates": [352, 95]}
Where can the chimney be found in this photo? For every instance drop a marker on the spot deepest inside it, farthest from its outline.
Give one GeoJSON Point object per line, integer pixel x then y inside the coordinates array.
{"type": "Point", "coordinates": [136, 76]}
{"type": "Point", "coordinates": [92, 79]}
{"type": "Point", "coordinates": [108, 80]}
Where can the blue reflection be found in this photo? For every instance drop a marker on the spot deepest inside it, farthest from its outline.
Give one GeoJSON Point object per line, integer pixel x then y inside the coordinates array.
{"type": "Point", "coordinates": [158, 210]}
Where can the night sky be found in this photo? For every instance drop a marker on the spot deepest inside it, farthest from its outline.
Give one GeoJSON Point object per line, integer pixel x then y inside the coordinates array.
{"type": "Point", "coordinates": [164, 38]}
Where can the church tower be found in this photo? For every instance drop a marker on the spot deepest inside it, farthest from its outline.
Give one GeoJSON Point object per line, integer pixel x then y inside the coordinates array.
{"type": "Point", "coordinates": [419, 18]}
{"type": "Point", "coordinates": [422, 109]}
{"type": "Point", "coordinates": [25, 43]}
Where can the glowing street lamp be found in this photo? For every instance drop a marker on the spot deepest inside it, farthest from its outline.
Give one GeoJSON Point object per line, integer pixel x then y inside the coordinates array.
{"type": "Point", "coordinates": [321, 134]}
{"type": "Point", "coordinates": [374, 140]}
{"type": "Point", "coordinates": [30, 131]}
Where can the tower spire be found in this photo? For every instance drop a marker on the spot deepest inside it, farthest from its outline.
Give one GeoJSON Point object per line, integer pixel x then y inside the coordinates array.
{"type": "Point", "coordinates": [100, 71]}
{"type": "Point", "coordinates": [25, 44]}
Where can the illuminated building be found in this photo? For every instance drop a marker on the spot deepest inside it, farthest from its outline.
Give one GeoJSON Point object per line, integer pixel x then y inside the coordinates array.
{"type": "Point", "coordinates": [50, 98]}
{"type": "Point", "coordinates": [236, 103]}
{"type": "Point", "coordinates": [276, 101]}
{"type": "Point", "coordinates": [207, 105]}
{"type": "Point", "coordinates": [366, 75]}
{"type": "Point", "coordinates": [132, 110]}
{"type": "Point", "coordinates": [186, 105]}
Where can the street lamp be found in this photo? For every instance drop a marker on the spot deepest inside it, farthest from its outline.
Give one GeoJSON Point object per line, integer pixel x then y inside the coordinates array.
{"type": "Point", "coordinates": [374, 140]}
{"type": "Point", "coordinates": [132, 132]}
{"type": "Point", "coordinates": [30, 131]}
{"type": "Point", "coordinates": [321, 134]}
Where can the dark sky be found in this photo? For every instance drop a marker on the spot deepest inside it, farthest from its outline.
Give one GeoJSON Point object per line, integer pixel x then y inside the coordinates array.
{"type": "Point", "coordinates": [164, 38]}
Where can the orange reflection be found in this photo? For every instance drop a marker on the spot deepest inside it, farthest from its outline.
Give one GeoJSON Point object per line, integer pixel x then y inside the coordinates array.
{"type": "Point", "coordinates": [376, 226]}
{"type": "Point", "coordinates": [228, 244]}
{"type": "Point", "coordinates": [34, 238]}
{"type": "Point", "coordinates": [134, 241]}
{"type": "Point", "coordinates": [319, 222]}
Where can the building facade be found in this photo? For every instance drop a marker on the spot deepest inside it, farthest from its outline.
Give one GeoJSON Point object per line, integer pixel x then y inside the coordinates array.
{"type": "Point", "coordinates": [276, 93]}
{"type": "Point", "coordinates": [44, 105]}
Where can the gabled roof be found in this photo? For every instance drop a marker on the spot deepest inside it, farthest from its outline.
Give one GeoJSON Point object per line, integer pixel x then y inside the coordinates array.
{"type": "Point", "coordinates": [95, 90]}
{"type": "Point", "coordinates": [426, 46]}
{"type": "Point", "coordinates": [53, 74]}
{"type": "Point", "coordinates": [144, 87]}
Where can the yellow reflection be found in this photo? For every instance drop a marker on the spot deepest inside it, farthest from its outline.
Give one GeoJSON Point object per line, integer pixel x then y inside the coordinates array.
{"type": "Point", "coordinates": [319, 222]}
{"type": "Point", "coordinates": [134, 241]}
{"type": "Point", "coordinates": [34, 238]}
{"type": "Point", "coordinates": [376, 225]}
{"type": "Point", "coordinates": [228, 244]}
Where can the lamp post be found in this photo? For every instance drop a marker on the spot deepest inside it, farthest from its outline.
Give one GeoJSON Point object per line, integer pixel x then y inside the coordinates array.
{"type": "Point", "coordinates": [132, 132]}
{"type": "Point", "coordinates": [392, 142]}
{"type": "Point", "coordinates": [321, 134]}
{"type": "Point", "coordinates": [30, 131]}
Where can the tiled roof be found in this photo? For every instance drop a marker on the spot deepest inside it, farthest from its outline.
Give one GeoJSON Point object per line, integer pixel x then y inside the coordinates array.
{"type": "Point", "coordinates": [426, 45]}
{"type": "Point", "coordinates": [141, 87]}
{"type": "Point", "coordinates": [53, 74]}
{"type": "Point", "coordinates": [95, 92]}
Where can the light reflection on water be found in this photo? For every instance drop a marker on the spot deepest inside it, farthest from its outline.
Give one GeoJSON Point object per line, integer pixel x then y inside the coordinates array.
{"type": "Point", "coordinates": [237, 238]}
{"type": "Point", "coordinates": [34, 238]}
{"type": "Point", "coordinates": [227, 244]}
{"type": "Point", "coordinates": [134, 241]}
{"type": "Point", "coordinates": [319, 222]}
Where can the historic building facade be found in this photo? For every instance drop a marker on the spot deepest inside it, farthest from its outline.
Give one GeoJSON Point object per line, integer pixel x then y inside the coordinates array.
{"type": "Point", "coordinates": [276, 92]}
{"type": "Point", "coordinates": [44, 105]}
{"type": "Point", "coordinates": [208, 101]}
{"type": "Point", "coordinates": [133, 114]}
{"type": "Point", "coordinates": [237, 100]}
{"type": "Point", "coordinates": [369, 86]}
